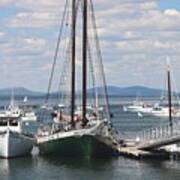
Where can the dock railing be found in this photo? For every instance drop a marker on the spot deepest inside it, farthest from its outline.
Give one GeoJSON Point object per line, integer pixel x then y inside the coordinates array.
{"type": "Point", "coordinates": [159, 133]}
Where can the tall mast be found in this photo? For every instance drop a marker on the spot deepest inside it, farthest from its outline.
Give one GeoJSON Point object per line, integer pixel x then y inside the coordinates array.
{"type": "Point", "coordinates": [169, 97]}
{"type": "Point", "coordinates": [84, 63]}
{"type": "Point", "coordinates": [73, 73]}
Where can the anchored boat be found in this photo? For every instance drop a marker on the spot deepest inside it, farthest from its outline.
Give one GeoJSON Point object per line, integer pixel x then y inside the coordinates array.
{"type": "Point", "coordinates": [160, 110]}
{"type": "Point", "coordinates": [13, 142]}
{"type": "Point", "coordinates": [84, 133]}
{"type": "Point", "coordinates": [90, 141]}
{"type": "Point", "coordinates": [14, 111]}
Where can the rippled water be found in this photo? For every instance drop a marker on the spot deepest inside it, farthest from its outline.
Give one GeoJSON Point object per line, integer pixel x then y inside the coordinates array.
{"type": "Point", "coordinates": [88, 169]}
{"type": "Point", "coordinates": [32, 168]}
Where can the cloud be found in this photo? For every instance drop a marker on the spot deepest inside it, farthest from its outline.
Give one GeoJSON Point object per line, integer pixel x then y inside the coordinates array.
{"type": "Point", "coordinates": [171, 12]}
{"type": "Point", "coordinates": [135, 37]}
{"type": "Point", "coordinates": [33, 19]}
{"type": "Point", "coordinates": [5, 2]}
{"type": "Point", "coordinates": [2, 34]}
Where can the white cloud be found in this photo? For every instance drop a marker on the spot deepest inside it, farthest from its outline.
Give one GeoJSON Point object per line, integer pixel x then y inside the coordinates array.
{"type": "Point", "coordinates": [5, 2]}
{"type": "Point", "coordinates": [33, 19]}
{"type": "Point", "coordinates": [132, 33]}
{"type": "Point", "coordinates": [171, 12]}
{"type": "Point", "coordinates": [35, 42]}
{"type": "Point", "coordinates": [2, 34]}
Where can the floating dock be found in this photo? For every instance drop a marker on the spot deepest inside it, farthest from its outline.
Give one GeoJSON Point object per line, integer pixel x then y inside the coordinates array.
{"type": "Point", "coordinates": [130, 148]}
{"type": "Point", "coordinates": [133, 152]}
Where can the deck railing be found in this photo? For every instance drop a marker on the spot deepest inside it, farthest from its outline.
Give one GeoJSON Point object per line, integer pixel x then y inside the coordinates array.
{"type": "Point", "coordinates": [159, 133]}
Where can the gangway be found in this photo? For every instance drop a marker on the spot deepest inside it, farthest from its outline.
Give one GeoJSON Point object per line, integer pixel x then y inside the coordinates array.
{"type": "Point", "coordinates": [158, 137]}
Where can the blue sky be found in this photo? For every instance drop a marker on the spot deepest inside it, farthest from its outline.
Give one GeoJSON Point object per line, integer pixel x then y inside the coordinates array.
{"type": "Point", "coordinates": [169, 4]}
{"type": "Point", "coordinates": [136, 37]}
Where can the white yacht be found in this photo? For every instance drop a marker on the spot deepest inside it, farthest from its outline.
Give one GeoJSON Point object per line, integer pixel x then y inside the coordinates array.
{"type": "Point", "coordinates": [137, 106]}
{"type": "Point", "coordinates": [14, 111]}
{"type": "Point", "coordinates": [29, 116]}
{"type": "Point", "coordinates": [161, 111]}
{"type": "Point", "coordinates": [13, 142]}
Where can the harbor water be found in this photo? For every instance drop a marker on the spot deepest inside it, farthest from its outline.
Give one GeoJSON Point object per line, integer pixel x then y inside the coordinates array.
{"type": "Point", "coordinates": [38, 167]}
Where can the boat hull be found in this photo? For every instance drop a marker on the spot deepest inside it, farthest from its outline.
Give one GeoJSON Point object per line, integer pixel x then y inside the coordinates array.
{"type": "Point", "coordinates": [14, 145]}
{"type": "Point", "coordinates": [85, 146]}
{"type": "Point", "coordinates": [163, 113]}
{"type": "Point", "coordinates": [31, 118]}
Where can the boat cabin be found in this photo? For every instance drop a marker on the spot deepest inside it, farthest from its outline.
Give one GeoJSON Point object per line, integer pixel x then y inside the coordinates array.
{"type": "Point", "coordinates": [12, 124]}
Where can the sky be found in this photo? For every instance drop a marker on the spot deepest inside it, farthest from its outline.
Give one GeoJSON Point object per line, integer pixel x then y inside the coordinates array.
{"type": "Point", "coordinates": [136, 36]}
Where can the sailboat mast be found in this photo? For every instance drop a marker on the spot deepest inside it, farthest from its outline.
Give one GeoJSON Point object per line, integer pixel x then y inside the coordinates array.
{"type": "Point", "coordinates": [169, 98]}
{"type": "Point", "coordinates": [84, 63]}
{"type": "Point", "coordinates": [73, 73]}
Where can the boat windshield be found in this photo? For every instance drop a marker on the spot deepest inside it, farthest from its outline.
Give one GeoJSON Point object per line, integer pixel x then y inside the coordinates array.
{"type": "Point", "coordinates": [8, 122]}
{"type": "Point", "coordinates": [13, 123]}
{"type": "Point", "coordinates": [157, 109]}
{"type": "Point", "coordinates": [3, 123]}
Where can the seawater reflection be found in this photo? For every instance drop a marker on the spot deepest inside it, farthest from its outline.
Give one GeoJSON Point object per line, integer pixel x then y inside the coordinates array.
{"type": "Point", "coordinates": [38, 168]}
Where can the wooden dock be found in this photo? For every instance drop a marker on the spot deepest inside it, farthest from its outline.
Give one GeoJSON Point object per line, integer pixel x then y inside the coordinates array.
{"type": "Point", "coordinates": [130, 149]}
{"type": "Point", "coordinates": [133, 152]}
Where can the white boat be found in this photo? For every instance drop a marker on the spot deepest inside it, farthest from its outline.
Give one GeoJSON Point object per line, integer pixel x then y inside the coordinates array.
{"type": "Point", "coordinates": [46, 107]}
{"type": "Point", "coordinates": [91, 108]}
{"type": "Point", "coordinates": [61, 106]}
{"type": "Point", "coordinates": [161, 111]}
{"type": "Point", "coordinates": [14, 111]}
{"type": "Point", "coordinates": [137, 106]}
{"type": "Point", "coordinates": [13, 142]}
{"type": "Point", "coordinates": [29, 116]}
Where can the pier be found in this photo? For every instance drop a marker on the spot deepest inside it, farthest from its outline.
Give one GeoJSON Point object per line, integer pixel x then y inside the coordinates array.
{"type": "Point", "coordinates": [148, 143]}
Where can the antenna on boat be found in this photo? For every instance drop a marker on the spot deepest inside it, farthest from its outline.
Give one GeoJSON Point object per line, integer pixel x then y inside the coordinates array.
{"type": "Point", "coordinates": [169, 94]}
{"type": "Point", "coordinates": [12, 99]}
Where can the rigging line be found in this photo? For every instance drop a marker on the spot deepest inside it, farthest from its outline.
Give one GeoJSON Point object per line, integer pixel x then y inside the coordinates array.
{"type": "Point", "coordinates": [95, 93]}
{"type": "Point", "coordinates": [64, 72]}
{"type": "Point", "coordinates": [93, 68]}
{"type": "Point", "coordinates": [66, 58]}
{"type": "Point", "coordinates": [101, 61]}
{"type": "Point", "coordinates": [56, 52]}
{"type": "Point", "coordinates": [64, 75]}
{"type": "Point", "coordinates": [80, 52]}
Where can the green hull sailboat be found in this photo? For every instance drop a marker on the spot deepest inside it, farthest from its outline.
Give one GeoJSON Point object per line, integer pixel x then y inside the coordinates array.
{"type": "Point", "coordinates": [83, 142]}
{"type": "Point", "coordinates": [80, 133]}
{"type": "Point", "coordinates": [86, 146]}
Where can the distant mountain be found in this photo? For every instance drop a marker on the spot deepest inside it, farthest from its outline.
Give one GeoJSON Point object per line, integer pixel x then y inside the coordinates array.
{"type": "Point", "coordinates": [19, 91]}
{"type": "Point", "coordinates": [132, 91]}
